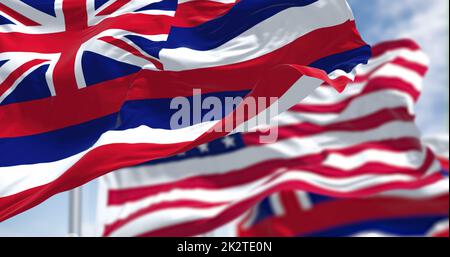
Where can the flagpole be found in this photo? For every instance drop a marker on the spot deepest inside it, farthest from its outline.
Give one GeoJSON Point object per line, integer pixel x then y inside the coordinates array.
{"type": "Point", "coordinates": [75, 212]}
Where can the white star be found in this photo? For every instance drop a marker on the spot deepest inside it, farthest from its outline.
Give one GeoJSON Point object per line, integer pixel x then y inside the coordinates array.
{"type": "Point", "coordinates": [229, 142]}
{"type": "Point", "coordinates": [181, 154]}
{"type": "Point", "coordinates": [203, 148]}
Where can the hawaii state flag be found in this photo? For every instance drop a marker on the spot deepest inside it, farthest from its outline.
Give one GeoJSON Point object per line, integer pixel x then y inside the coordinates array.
{"type": "Point", "coordinates": [422, 212]}
{"type": "Point", "coordinates": [86, 85]}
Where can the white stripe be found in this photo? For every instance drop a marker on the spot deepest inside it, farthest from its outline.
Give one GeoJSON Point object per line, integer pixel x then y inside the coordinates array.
{"type": "Point", "coordinates": [301, 89]}
{"type": "Point", "coordinates": [253, 213]}
{"type": "Point", "coordinates": [286, 149]}
{"type": "Point", "coordinates": [164, 218]}
{"type": "Point", "coordinates": [405, 159]}
{"type": "Point", "coordinates": [395, 71]}
{"type": "Point", "coordinates": [275, 202]}
{"type": "Point", "coordinates": [326, 95]}
{"type": "Point", "coordinates": [304, 200]}
{"type": "Point", "coordinates": [439, 188]}
{"type": "Point", "coordinates": [267, 36]}
{"type": "Point", "coordinates": [414, 56]}
{"type": "Point", "coordinates": [358, 108]}
{"type": "Point", "coordinates": [15, 179]}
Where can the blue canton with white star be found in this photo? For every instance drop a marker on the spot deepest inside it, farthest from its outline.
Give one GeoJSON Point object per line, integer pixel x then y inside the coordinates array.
{"type": "Point", "coordinates": [223, 145]}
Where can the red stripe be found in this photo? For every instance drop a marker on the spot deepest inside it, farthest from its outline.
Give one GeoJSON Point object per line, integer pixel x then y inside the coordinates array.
{"type": "Point", "coordinates": [344, 212]}
{"type": "Point", "coordinates": [201, 226]}
{"type": "Point", "coordinates": [123, 45]}
{"type": "Point", "coordinates": [394, 145]}
{"type": "Point", "coordinates": [392, 45]}
{"type": "Point", "coordinates": [12, 78]}
{"type": "Point", "coordinates": [413, 66]}
{"type": "Point", "coordinates": [38, 121]}
{"type": "Point", "coordinates": [420, 69]}
{"type": "Point", "coordinates": [373, 86]}
{"type": "Point", "coordinates": [290, 202]}
{"type": "Point", "coordinates": [17, 16]}
{"type": "Point", "coordinates": [75, 15]}
{"type": "Point", "coordinates": [310, 163]}
{"type": "Point", "coordinates": [163, 205]}
{"type": "Point", "coordinates": [360, 124]}
{"type": "Point", "coordinates": [194, 13]}
{"type": "Point", "coordinates": [243, 76]}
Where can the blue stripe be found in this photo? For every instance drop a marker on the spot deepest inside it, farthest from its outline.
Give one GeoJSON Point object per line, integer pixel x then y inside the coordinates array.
{"type": "Point", "coordinates": [409, 226]}
{"type": "Point", "coordinates": [165, 5]}
{"type": "Point", "coordinates": [212, 34]}
{"type": "Point", "coordinates": [317, 199]}
{"type": "Point", "coordinates": [55, 145]}
{"type": "Point", "coordinates": [63, 143]}
{"type": "Point", "coordinates": [157, 113]}
{"type": "Point", "coordinates": [345, 61]}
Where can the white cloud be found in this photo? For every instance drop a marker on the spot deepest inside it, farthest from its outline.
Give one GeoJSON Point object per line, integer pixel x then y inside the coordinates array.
{"type": "Point", "coordinates": [427, 23]}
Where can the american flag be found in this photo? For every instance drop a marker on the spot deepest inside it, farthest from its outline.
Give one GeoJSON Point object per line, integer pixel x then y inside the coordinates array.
{"type": "Point", "coordinates": [86, 85]}
{"type": "Point", "coordinates": [360, 143]}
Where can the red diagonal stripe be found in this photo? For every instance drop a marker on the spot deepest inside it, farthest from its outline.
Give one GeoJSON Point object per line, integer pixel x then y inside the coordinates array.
{"type": "Point", "coordinates": [113, 7]}
{"type": "Point", "coordinates": [123, 45]}
{"type": "Point", "coordinates": [17, 16]}
{"type": "Point", "coordinates": [9, 81]}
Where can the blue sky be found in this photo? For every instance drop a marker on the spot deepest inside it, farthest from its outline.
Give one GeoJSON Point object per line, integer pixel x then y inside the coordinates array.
{"type": "Point", "coordinates": [378, 20]}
